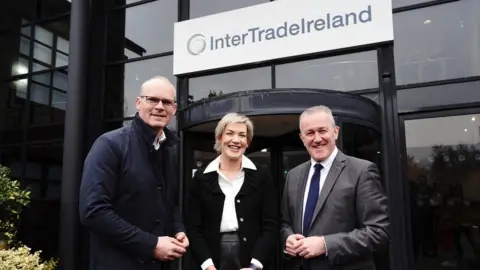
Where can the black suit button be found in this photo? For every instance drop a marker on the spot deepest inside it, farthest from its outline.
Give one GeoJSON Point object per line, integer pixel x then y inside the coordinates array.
{"type": "Point", "coordinates": [157, 221]}
{"type": "Point", "coordinates": [238, 201]}
{"type": "Point", "coordinates": [244, 239]}
{"type": "Point", "coordinates": [159, 187]}
{"type": "Point", "coordinates": [241, 219]}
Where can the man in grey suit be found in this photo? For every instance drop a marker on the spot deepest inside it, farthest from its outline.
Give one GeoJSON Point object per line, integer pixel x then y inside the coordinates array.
{"type": "Point", "coordinates": [334, 209]}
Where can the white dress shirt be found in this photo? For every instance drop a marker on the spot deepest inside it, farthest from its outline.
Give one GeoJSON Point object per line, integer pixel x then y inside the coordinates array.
{"type": "Point", "coordinates": [230, 189]}
{"type": "Point", "coordinates": [327, 164]}
{"type": "Point", "coordinates": [159, 140]}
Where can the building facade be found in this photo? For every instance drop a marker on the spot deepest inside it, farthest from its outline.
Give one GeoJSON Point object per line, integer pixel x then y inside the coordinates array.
{"type": "Point", "coordinates": [71, 71]}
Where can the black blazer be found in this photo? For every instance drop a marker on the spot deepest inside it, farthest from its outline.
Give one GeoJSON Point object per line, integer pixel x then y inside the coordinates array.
{"type": "Point", "coordinates": [128, 198]}
{"type": "Point", "coordinates": [256, 204]}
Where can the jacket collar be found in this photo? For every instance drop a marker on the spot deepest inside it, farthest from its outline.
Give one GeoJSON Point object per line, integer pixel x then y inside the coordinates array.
{"type": "Point", "coordinates": [210, 177]}
{"type": "Point", "coordinates": [214, 166]}
{"type": "Point", "coordinates": [327, 163]}
{"type": "Point", "coordinates": [148, 134]}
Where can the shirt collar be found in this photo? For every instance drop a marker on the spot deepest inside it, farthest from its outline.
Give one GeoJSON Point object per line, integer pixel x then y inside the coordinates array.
{"type": "Point", "coordinates": [327, 162]}
{"type": "Point", "coordinates": [215, 164]}
{"type": "Point", "coordinates": [159, 140]}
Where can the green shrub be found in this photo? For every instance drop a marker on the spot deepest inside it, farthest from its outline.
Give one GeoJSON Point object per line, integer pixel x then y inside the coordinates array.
{"type": "Point", "coordinates": [12, 200]}
{"type": "Point", "coordinates": [23, 259]}
{"type": "Point", "coordinates": [16, 256]}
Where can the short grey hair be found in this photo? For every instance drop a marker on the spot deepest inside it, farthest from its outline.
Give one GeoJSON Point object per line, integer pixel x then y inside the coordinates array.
{"type": "Point", "coordinates": [157, 78]}
{"type": "Point", "coordinates": [231, 118]}
{"type": "Point", "coordinates": [317, 109]}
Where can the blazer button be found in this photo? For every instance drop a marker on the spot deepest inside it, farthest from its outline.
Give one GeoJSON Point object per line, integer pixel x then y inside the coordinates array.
{"type": "Point", "coordinates": [241, 219]}
{"type": "Point", "coordinates": [238, 201]}
{"type": "Point", "coordinates": [244, 239]}
{"type": "Point", "coordinates": [159, 187]}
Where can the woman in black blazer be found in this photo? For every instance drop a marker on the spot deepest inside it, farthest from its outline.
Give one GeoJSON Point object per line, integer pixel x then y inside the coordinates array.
{"type": "Point", "coordinates": [232, 215]}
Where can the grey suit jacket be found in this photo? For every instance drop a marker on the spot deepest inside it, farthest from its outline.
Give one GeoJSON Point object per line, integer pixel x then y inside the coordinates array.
{"type": "Point", "coordinates": [351, 214]}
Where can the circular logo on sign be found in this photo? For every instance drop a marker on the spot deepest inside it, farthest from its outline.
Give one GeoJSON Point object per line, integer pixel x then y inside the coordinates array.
{"type": "Point", "coordinates": [196, 44]}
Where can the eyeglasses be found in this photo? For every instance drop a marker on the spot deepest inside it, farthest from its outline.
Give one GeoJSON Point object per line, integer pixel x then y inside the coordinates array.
{"type": "Point", "coordinates": [155, 100]}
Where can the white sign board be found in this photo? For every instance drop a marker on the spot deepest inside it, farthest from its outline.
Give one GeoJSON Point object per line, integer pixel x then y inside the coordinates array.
{"type": "Point", "coordinates": [279, 29]}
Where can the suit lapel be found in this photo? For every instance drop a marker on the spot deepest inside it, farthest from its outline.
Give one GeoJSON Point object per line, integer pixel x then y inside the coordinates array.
{"type": "Point", "coordinates": [301, 192]}
{"type": "Point", "coordinates": [250, 183]}
{"type": "Point", "coordinates": [211, 182]}
{"type": "Point", "coordinates": [333, 174]}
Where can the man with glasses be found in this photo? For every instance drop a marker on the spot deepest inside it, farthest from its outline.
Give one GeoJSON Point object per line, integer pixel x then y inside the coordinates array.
{"type": "Point", "coordinates": [128, 195]}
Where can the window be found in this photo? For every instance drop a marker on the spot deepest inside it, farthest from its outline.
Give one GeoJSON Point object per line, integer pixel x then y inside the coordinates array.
{"type": "Point", "coordinates": [12, 104]}
{"type": "Point", "coordinates": [11, 157]}
{"type": "Point", "coordinates": [343, 73]}
{"type": "Point", "coordinates": [220, 84]}
{"type": "Point", "coordinates": [48, 97]}
{"type": "Point", "coordinates": [443, 168]}
{"type": "Point", "coordinates": [34, 38]}
{"type": "Point", "coordinates": [14, 52]}
{"type": "Point", "coordinates": [52, 132]}
{"type": "Point", "coordinates": [361, 142]}
{"type": "Point", "coordinates": [13, 12]}
{"type": "Point", "coordinates": [43, 168]}
{"type": "Point", "coordinates": [50, 47]}
{"type": "Point", "coordinates": [437, 43]}
{"type": "Point", "coordinates": [141, 30]}
{"type": "Point", "coordinates": [49, 8]}
{"type": "Point", "coordinates": [404, 3]}
{"type": "Point", "coordinates": [124, 82]}
{"type": "Point", "coordinates": [200, 8]}
{"type": "Point", "coordinates": [432, 96]}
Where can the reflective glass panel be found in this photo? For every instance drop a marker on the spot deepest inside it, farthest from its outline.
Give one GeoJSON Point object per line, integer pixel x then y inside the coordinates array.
{"type": "Point", "coordinates": [12, 104]}
{"type": "Point", "coordinates": [421, 98]}
{"type": "Point", "coordinates": [220, 84]}
{"type": "Point", "coordinates": [443, 172]}
{"type": "Point", "coordinates": [50, 8]}
{"type": "Point", "coordinates": [403, 3]}
{"type": "Point", "coordinates": [199, 8]}
{"type": "Point", "coordinates": [124, 82]}
{"type": "Point", "coordinates": [437, 43]}
{"type": "Point", "coordinates": [342, 73]}
{"type": "Point", "coordinates": [141, 30]}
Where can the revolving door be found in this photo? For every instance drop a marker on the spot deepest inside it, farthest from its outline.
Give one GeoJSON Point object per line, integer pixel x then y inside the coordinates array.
{"type": "Point", "coordinates": [276, 144]}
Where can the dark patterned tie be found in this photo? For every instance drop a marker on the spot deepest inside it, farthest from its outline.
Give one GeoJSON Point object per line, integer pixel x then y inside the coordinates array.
{"type": "Point", "coordinates": [312, 199]}
{"type": "Point", "coordinates": [310, 206]}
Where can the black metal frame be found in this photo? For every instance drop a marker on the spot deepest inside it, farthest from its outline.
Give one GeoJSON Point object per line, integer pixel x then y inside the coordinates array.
{"type": "Point", "coordinates": [388, 95]}
{"type": "Point", "coordinates": [94, 113]}
{"type": "Point", "coordinates": [400, 257]}
{"type": "Point", "coordinates": [75, 116]}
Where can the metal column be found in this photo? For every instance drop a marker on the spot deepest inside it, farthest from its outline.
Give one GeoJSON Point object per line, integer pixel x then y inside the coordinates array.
{"type": "Point", "coordinates": [400, 251]}
{"type": "Point", "coordinates": [73, 151]}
